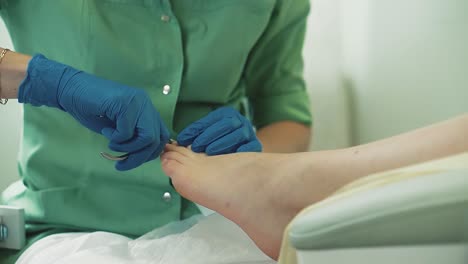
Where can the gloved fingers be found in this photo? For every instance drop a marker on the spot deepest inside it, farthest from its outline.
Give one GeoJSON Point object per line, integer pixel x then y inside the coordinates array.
{"type": "Point", "coordinates": [146, 132]}
{"type": "Point", "coordinates": [190, 133]}
{"type": "Point", "coordinates": [252, 146]}
{"type": "Point", "coordinates": [229, 143]}
{"type": "Point", "coordinates": [135, 159]}
{"type": "Point", "coordinates": [108, 132]}
{"type": "Point", "coordinates": [159, 149]}
{"type": "Point", "coordinates": [140, 141]}
{"type": "Point", "coordinates": [154, 150]}
{"type": "Point", "coordinates": [164, 134]}
{"type": "Point", "coordinates": [214, 132]}
{"type": "Point", "coordinates": [157, 152]}
{"type": "Point", "coordinates": [125, 127]}
{"type": "Point", "coordinates": [164, 139]}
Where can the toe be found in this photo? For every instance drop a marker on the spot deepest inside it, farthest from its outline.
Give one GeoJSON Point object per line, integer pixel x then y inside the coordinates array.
{"type": "Point", "coordinates": [181, 150]}
{"type": "Point", "coordinates": [171, 167]}
{"type": "Point", "coordinates": [173, 155]}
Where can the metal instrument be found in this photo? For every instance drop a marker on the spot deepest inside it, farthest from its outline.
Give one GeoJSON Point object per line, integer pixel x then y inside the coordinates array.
{"type": "Point", "coordinates": [124, 156]}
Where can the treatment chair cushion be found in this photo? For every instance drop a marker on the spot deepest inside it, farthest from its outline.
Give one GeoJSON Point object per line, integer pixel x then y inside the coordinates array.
{"type": "Point", "coordinates": [417, 205]}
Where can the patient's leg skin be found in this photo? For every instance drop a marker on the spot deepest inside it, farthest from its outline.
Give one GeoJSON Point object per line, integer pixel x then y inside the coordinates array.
{"type": "Point", "coordinates": [262, 192]}
{"type": "Point", "coordinates": [256, 191]}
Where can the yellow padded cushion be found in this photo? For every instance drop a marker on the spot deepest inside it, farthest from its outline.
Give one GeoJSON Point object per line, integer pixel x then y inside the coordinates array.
{"type": "Point", "coordinates": [379, 180]}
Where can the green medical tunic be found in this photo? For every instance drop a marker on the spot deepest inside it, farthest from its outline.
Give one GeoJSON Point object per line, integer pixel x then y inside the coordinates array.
{"type": "Point", "coordinates": [191, 56]}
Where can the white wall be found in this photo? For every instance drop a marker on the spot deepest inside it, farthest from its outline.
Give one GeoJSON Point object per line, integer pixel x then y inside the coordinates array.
{"type": "Point", "coordinates": [10, 123]}
{"type": "Point", "coordinates": [323, 55]}
{"type": "Point", "coordinates": [406, 63]}
{"type": "Point", "coordinates": [380, 68]}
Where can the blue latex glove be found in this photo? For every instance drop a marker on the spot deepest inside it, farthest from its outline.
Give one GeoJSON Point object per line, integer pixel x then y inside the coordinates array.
{"type": "Point", "coordinates": [222, 131]}
{"type": "Point", "coordinates": [123, 114]}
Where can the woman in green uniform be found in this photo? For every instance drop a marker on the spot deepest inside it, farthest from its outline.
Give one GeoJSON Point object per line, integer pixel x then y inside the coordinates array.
{"type": "Point", "coordinates": [132, 74]}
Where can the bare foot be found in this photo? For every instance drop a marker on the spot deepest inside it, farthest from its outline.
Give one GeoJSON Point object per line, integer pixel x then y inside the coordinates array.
{"type": "Point", "coordinates": [254, 190]}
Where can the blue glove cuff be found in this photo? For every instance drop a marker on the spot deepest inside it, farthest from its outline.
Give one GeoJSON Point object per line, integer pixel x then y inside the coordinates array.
{"type": "Point", "coordinates": [42, 83]}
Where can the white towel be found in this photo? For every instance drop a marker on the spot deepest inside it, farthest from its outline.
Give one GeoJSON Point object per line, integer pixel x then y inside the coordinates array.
{"type": "Point", "coordinates": [198, 240]}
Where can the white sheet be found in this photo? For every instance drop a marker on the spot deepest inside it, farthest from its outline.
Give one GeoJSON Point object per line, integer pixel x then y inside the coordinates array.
{"type": "Point", "coordinates": [198, 240]}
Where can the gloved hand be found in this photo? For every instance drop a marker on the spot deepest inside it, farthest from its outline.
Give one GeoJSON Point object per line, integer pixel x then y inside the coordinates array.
{"type": "Point", "coordinates": [222, 131]}
{"type": "Point", "coordinates": [123, 114]}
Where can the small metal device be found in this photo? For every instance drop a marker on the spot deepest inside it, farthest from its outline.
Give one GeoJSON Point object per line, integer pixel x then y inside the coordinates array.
{"type": "Point", "coordinates": [114, 158]}
{"type": "Point", "coordinates": [12, 232]}
{"type": "Point", "coordinates": [124, 156]}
